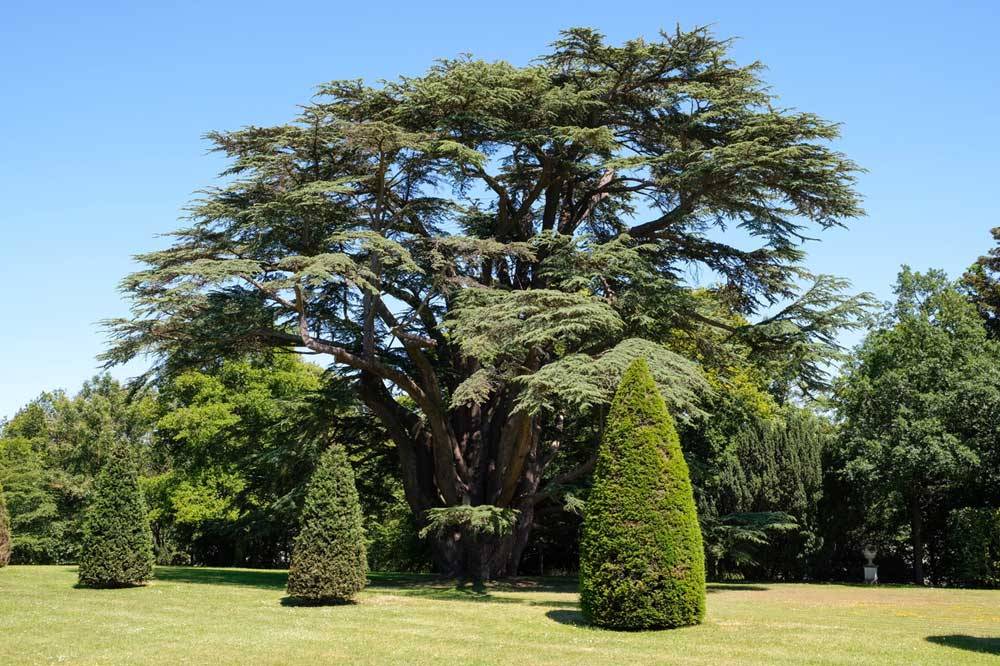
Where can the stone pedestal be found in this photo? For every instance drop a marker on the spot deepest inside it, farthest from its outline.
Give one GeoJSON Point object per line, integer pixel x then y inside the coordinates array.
{"type": "Point", "coordinates": [871, 574]}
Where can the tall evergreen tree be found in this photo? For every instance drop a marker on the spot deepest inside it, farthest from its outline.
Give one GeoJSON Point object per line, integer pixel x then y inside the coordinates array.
{"type": "Point", "coordinates": [642, 564]}
{"type": "Point", "coordinates": [474, 239]}
{"type": "Point", "coordinates": [758, 497]}
{"type": "Point", "coordinates": [117, 548]}
{"type": "Point", "coordinates": [5, 536]}
{"type": "Point", "coordinates": [328, 560]}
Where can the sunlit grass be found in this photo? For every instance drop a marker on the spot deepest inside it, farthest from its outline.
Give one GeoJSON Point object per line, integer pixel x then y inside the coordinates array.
{"type": "Point", "coordinates": [227, 616]}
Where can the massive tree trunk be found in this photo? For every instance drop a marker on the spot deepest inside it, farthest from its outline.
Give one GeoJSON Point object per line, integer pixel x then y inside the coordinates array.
{"type": "Point", "coordinates": [490, 455]}
{"type": "Point", "coordinates": [511, 481]}
{"type": "Point", "coordinates": [466, 557]}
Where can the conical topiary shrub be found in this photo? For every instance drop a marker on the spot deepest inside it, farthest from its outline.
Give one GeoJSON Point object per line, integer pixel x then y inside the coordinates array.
{"type": "Point", "coordinates": [6, 540]}
{"type": "Point", "coordinates": [117, 546]}
{"type": "Point", "coordinates": [641, 560]}
{"type": "Point", "coordinates": [328, 558]}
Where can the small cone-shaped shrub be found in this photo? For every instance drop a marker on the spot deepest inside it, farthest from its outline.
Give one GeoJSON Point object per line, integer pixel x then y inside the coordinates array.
{"type": "Point", "coordinates": [328, 558]}
{"type": "Point", "coordinates": [117, 545]}
{"type": "Point", "coordinates": [5, 535]}
{"type": "Point", "coordinates": [641, 560]}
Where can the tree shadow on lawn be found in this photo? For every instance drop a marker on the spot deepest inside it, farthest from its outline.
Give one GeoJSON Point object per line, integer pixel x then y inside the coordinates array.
{"type": "Point", "coordinates": [110, 588]}
{"type": "Point", "coordinates": [573, 618]}
{"type": "Point", "coordinates": [433, 587]}
{"type": "Point", "coordinates": [418, 585]}
{"type": "Point", "coordinates": [298, 602]}
{"type": "Point", "coordinates": [432, 582]}
{"type": "Point", "coordinates": [736, 587]}
{"type": "Point", "coordinates": [267, 580]}
{"type": "Point", "coordinates": [971, 643]}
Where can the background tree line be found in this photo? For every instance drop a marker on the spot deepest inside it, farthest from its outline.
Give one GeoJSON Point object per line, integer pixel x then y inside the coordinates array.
{"type": "Point", "coordinates": [903, 453]}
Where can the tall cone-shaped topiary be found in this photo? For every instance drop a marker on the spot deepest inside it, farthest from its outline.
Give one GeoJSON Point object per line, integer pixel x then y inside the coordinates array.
{"type": "Point", "coordinates": [328, 559]}
{"type": "Point", "coordinates": [6, 540]}
{"type": "Point", "coordinates": [641, 560]}
{"type": "Point", "coordinates": [117, 545]}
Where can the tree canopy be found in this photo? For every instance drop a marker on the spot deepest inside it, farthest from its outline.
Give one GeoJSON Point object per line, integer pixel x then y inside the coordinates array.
{"type": "Point", "coordinates": [920, 408]}
{"type": "Point", "coordinates": [497, 243]}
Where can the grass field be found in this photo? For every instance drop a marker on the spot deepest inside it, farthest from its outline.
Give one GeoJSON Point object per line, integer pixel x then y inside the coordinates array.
{"type": "Point", "coordinates": [227, 616]}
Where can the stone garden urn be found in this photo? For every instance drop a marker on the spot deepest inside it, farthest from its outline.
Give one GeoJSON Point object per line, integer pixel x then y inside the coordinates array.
{"type": "Point", "coordinates": [871, 569]}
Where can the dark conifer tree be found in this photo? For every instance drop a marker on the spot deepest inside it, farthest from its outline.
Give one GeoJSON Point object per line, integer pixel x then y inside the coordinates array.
{"type": "Point", "coordinates": [328, 561]}
{"type": "Point", "coordinates": [117, 548]}
{"type": "Point", "coordinates": [642, 565]}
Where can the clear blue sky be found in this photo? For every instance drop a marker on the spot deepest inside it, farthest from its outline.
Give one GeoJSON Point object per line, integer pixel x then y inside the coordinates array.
{"type": "Point", "coordinates": [103, 107]}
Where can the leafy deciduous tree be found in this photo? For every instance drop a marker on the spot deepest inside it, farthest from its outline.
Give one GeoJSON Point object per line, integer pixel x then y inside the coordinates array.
{"type": "Point", "coordinates": [920, 406]}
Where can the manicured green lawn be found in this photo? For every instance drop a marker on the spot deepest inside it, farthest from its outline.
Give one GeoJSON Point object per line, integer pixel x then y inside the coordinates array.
{"type": "Point", "coordinates": [227, 616]}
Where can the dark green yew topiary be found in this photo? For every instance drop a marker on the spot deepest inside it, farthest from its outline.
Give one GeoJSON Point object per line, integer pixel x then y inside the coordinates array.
{"type": "Point", "coordinates": [328, 560]}
{"type": "Point", "coordinates": [117, 546]}
{"type": "Point", "coordinates": [641, 560]}
{"type": "Point", "coordinates": [5, 536]}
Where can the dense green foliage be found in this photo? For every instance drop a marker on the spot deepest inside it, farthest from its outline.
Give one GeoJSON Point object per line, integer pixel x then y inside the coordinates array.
{"type": "Point", "coordinates": [40, 532]}
{"type": "Point", "coordinates": [50, 453]}
{"type": "Point", "coordinates": [240, 440]}
{"type": "Point", "coordinates": [392, 539]}
{"type": "Point", "coordinates": [497, 243]}
{"type": "Point", "coordinates": [642, 564]}
{"type": "Point", "coordinates": [117, 544]}
{"type": "Point", "coordinates": [973, 539]}
{"type": "Point", "coordinates": [5, 537]}
{"type": "Point", "coordinates": [758, 476]}
{"type": "Point", "coordinates": [224, 453]}
{"type": "Point", "coordinates": [328, 559]}
{"type": "Point", "coordinates": [920, 420]}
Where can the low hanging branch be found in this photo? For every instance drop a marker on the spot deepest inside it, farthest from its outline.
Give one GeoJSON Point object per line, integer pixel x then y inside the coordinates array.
{"type": "Point", "coordinates": [482, 520]}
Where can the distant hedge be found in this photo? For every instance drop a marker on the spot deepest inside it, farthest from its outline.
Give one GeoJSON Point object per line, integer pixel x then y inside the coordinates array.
{"type": "Point", "coordinates": [973, 557]}
{"type": "Point", "coordinates": [5, 536]}
{"type": "Point", "coordinates": [117, 545]}
{"type": "Point", "coordinates": [642, 564]}
{"type": "Point", "coordinates": [328, 559]}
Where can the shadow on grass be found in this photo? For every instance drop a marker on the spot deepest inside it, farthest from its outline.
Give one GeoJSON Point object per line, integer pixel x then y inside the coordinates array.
{"type": "Point", "coordinates": [971, 643]}
{"type": "Point", "coordinates": [416, 585]}
{"type": "Point", "coordinates": [122, 586]}
{"type": "Point", "coordinates": [268, 580]}
{"type": "Point", "coordinates": [576, 619]}
{"type": "Point", "coordinates": [433, 587]}
{"type": "Point", "coordinates": [402, 581]}
{"type": "Point", "coordinates": [735, 587]}
{"type": "Point", "coordinates": [298, 602]}
{"type": "Point", "coordinates": [571, 617]}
